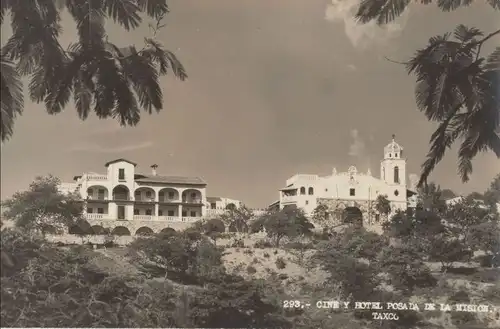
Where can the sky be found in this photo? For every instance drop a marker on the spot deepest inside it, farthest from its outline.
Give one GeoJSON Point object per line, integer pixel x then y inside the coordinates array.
{"type": "Point", "coordinates": [275, 88]}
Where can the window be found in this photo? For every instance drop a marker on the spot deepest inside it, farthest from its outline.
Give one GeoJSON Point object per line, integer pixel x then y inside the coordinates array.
{"type": "Point", "coordinates": [148, 194]}
{"type": "Point", "coordinates": [101, 191]}
{"type": "Point", "coordinates": [184, 213]}
{"type": "Point", "coordinates": [136, 211]}
{"type": "Point", "coordinates": [121, 174]}
{"type": "Point", "coordinates": [100, 210]}
{"type": "Point", "coordinates": [90, 210]}
{"type": "Point", "coordinates": [390, 155]}
{"type": "Point", "coordinates": [171, 213]}
{"type": "Point", "coordinates": [302, 190]}
{"type": "Point", "coordinates": [396, 175]}
{"type": "Point", "coordinates": [352, 192]}
{"type": "Point", "coordinates": [161, 194]}
{"type": "Point", "coordinates": [213, 205]}
{"type": "Point", "coordinates": [396, 155]}
{"type": "Point", "coordinates": [160, 212]}
{"type": "Point", "coordinates": [307, 202]}
{"type": "Point", "coordinates": [326, 190]}
{"type": "Point", "coordinates": [193, 213]}
{"type": "Point", "coordinates": [171, 195]}
{"type": "Point", "coordinates": [193, 195]}
{"type": "Point", "coordinates": [311, 191]}
{"type": "Point", "coordinates": [148, 212]}
{"type": "Point", "coordinates": [121, 212]}
{"type": "Point", "coordinates": [137, 194]}
{"type": "Point", "coordinates": [396, 193]}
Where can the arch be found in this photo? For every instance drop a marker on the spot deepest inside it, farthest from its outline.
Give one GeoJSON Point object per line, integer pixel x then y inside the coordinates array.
{"type": "Point", "coordinates": [191, 196]}
{"type": "Point", "coordinates": [97, 192]}
{"type": "Point", "coordinates": [310, 191]}
{"type": "Point", "coordinates": [396, 175]}
{"type": "Point", "coordinates": [144, 193]}
{"type": "Point", "coordinates": [168, 231]}
{"type": "Point", "coordinates": [144, 230]}
{"type": "Point", "coordinates": [121, 192]}
{"type": "Point", "coordinates": [231, 206]}
{"type": "Point", "coordinates": [302, 190]}
{"type": "Point", "coordinates": [352, 215]}
{"type": "Point", "coordinates": [120, 230]}
{"type": "Point", "coordinates": [82, 228]}
{"type": "Point", "coordinates": [99, 230]}
{"type": "Point", "coordinates": [168, 194]}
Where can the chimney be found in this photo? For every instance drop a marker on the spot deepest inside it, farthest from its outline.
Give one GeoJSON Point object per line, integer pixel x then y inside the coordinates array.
{"type": "Point", "coordinates": [153, 167]}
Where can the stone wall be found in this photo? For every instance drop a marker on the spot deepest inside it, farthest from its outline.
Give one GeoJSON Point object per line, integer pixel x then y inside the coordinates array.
{"type": "Point", "coordinates": [336, 207]}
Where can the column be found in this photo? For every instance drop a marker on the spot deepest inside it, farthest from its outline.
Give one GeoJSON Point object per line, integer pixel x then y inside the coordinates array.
{"type": "Point", "coordinates": [180, 211]}
{"type": "Point", "coordinates": [157, 209]}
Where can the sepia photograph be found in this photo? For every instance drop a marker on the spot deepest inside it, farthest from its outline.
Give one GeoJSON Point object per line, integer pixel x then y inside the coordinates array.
{"type": "Point", "coordinates": [290, 164]}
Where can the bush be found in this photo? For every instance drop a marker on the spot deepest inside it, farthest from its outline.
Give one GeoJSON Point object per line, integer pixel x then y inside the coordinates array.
{"type": "Point", "coordinates": [280, 263]}
{"type": "Point", "coordinates": [298, 245]}
{"type": "Point", "coordinates": [261, 244]}
{"type": "Point", "coordinates": [239, 243]}
{"type": "Point", "coordinates": [283, 276]}
{"type": "Point", "coordinates": [266, 255]}
{"type": "Point", "coordinates": [248, 252]}
{"type": "Point", "coordinates": [251, 269]}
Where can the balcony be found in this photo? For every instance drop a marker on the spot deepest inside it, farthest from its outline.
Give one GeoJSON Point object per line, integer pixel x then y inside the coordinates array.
{"type": "Point", "coordinates": [169, 218]}
{"type": "Point", "coordinates": [144, 217]}
{"type": "Point", "coordinates": [96, 216]}
{"type": "Point", "coordinates": [192, 201]}
{"type": "Point", "coordinates": [97, 198]}
{"type": "Point", "coordinates": [121, 197]}
{"type": "Point", "coordinates": [144, 199]}
{"type": "Point", "coordinates": [289, 199]}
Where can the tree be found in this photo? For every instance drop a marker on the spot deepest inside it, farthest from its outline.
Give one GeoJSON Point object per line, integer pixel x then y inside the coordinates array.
{"type": "Point", "coordinates": [383, 205]}
{"type": "Point", "coordinates": [456, 85]}
{"type": "Point", "coordinates": [237, 219]}
{"type": "Point", "coordinates": [102, 77]}
{"type": "Point", "coordinates": [289, 222]}
{"type": "Point", "coordinates": [430, 198]}
{"type": "Point", "coordinates": [43, 207]}
{"type": "Point", "coordinates": [320, 214]}
{"type": "Point", "coordinates": [213, 228]}
{"type": "Point", "coordinates": [492, 194]}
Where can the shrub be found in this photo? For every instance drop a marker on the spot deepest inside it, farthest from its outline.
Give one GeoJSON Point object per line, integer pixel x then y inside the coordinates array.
{"type": "Point", "coordinates": [283, 276]}
{"type": "Point", "coordinates": [280, 263]}
{"type": "Point", "coordinates": [255, 260]}
{"type": "Point", "coordinates": [239, 243]}
{"type": "Point", "coordinates": [275, 252]}
{"type": "Point", "coordinates": [248, 252]}
{"type": "Point", "coordinates": [251, 269]}
{"type": "Point", "coordinates": [262, 244]}
{"type": "Point", "coordinates": [266, 255]}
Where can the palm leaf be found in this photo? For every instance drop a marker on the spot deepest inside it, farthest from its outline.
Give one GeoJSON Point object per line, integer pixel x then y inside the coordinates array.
{"type": "Point", "coordinates": [164, 59]}
{"type": "Point", "coordinates": [123, 12]}
{"type": "Point", "coordinates": [383, 11]}
{"type": "Point", "coordinates": [11, 97]}
{"type": "Point", "coordinates": [154, 8]}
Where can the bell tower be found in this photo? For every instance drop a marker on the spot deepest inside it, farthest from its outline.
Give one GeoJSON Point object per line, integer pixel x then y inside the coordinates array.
{"type": "Point", "coordinates": [393, 166]}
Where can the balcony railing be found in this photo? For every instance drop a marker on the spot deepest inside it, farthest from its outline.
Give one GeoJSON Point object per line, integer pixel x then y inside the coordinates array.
{"type": "Point", "coordinates": [121, 197]}
{"type": "Point", "coordinates": [96, 216]}
{"type": "Point", "coordinates": [289, 198]}
{"type": "Point", "coordinates": [169, 218]}
{"type": "Point", "coordinates": [144, 217]}
{"type": "Point", "coordinates": [196, 201]}
{"type": "Point", "coordinates": [167, 200]}
{"type": "Point", "coordinates": [97, 177]}
{"type": "Point", "coordinates": [98, 197]}
{"type": "Point", "coordinates": [144, 199]}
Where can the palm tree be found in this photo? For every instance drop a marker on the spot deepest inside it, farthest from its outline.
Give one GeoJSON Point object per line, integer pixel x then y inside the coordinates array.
{"type": "Point", "coordinates": [99, 76]}
{"type": "Point", "coordinates": [456, 86]}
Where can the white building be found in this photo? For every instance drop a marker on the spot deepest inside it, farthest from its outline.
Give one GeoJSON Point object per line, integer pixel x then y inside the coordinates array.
{"type": "Point", "coordinates": [352, 190]}
{"type": "Point", "coordinates": [126, 198]}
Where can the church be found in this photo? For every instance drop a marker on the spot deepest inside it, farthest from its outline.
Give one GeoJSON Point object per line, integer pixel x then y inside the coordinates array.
{"type": "Point", "coordinates": [353, 192]}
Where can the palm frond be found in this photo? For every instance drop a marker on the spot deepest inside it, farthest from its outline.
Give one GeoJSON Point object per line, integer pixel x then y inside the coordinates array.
{"type": "Point", "coordinates": [450, 5]}
{"type": "Point", "coordinates": [11, 97]}
{"type": "Point", "coordinates": [494, 3]}
{"type": "Point", "coordinates": [164, 59]}
{"type": "Point", "coordinates": [493, 61]}
{"type": "Point", "coordinates": [89, 17]}
{"type": "Point", "coordinates": [384, 11]}
{"type": "Point", "coordinates": [464, 34]}
{"type": "Point", "coordinates": [154, 8]}
{"type": "Point", "coordinates": [123, 12]}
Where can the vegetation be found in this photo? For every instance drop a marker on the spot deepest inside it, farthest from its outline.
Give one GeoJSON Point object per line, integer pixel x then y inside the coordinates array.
{"type": "Point", "coordinates": [102, 77]}
{"type": "Point", "coordinates": [457, 85]}
{"type": "Point", "coordinates": [183, 279]}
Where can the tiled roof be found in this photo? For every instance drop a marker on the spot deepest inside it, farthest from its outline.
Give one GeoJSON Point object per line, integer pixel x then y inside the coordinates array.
{"type": "Point", "coordinates": [289, 188]}
{"type": "Point", "coordinates": [170, 180]}
{"type": "Point", "coordinates": [119, 160]}
{"type": "Point", "coordinates": [213, 198]}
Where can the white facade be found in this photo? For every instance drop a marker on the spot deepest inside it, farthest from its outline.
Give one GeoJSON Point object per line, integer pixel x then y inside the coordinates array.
{"type": "Point", "coordinates": [352, 188]}
{"type": "Point", "coordinates": [123, 194]}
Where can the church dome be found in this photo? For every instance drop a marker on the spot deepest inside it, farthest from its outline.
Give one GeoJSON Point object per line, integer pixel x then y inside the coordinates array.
{"type": "Point", "coordinates": [393, 149]}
